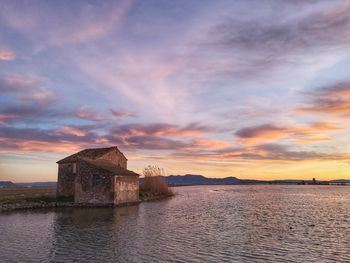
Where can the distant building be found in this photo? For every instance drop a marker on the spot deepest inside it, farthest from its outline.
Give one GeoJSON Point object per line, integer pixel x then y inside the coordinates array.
{"type": "Point", "coordinates": [97, 176]}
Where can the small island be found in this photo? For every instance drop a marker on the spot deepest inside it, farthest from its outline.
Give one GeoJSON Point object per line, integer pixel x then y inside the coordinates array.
{"type": "Point", "coordinates": [91, 177]}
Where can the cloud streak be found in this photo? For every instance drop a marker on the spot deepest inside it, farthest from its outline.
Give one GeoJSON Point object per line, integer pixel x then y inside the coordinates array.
{"type": "Point", "coordinates": [56, 25]}
{"type": "Point", "coordinates": [27, 88]}
{"type": "Point", "coordinates": [161, 129]}
{"type": "Point", "coordinates": [273, 153]}
{"type": "Point", "coordinates": [151, 137]}
{"type": "Point", "coordinates": [257, 44]}
{"type": "Point", "coordinates": [333, 99]}
{"type": "Point", "coordinates": [84, 113]}
{"type": "Point", "coordinates": [312, 132]}
{"type": "Point", "coordinates": [122, 113]}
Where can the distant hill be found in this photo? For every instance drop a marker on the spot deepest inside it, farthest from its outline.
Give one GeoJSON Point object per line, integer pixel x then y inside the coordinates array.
{"type": "Point", "coordinates": [7, 184]}
{"type": "Point", "coordinates": [191, 179]}
{"type": "Point", "coordinates": [4, 184]}
{"type": "Point", "coordinates": [341, 181]}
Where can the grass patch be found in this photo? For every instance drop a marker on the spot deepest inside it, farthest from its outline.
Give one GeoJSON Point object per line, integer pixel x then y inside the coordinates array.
{"type": "Point", "coordinates": [65, 199]}
{"type": "Point", "coordinates": [7, 201]}
{"type": "Point", "coordinates": [145, 195]}
{"type": "Point", "coordinates": [22, 195]}
{"type": "Point", "coordinates": [40, 199]}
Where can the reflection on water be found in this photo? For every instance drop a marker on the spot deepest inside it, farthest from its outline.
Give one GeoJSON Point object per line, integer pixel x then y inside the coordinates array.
{"type": "Point", "coordinates": [200, 224]}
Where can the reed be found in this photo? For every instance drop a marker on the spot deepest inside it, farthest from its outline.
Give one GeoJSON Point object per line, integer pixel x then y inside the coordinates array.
{"type": "Point", "coordinates": [155, 181]}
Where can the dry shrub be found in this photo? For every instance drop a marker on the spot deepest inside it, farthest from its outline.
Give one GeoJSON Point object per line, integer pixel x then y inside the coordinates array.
{"type": "Point", "coordinates": [155, 181]}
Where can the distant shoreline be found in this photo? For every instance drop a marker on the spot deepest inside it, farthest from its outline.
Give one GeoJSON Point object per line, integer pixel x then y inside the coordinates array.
{"type": "Point", "coordinates": [192, 179]}
{"type": "Point", "coordinates": [242, 184]}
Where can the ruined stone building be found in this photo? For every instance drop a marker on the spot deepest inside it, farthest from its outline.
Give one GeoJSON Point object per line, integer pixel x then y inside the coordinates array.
{"type": "Point", "coordinates": [97, 176]}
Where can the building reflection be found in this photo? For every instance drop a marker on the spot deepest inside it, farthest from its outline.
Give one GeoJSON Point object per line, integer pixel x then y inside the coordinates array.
{"type": "Point", "coordinates": [84, 234]}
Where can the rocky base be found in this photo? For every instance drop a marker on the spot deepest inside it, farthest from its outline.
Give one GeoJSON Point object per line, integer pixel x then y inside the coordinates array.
{"type": "Point", "coordinates": [33, 205]}
{"type": "Point", "coordinates": [42, 204]}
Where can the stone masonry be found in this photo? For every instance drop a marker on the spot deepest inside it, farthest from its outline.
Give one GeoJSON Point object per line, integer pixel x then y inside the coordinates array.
{"type": "Point", "coordinates": [97, 176]}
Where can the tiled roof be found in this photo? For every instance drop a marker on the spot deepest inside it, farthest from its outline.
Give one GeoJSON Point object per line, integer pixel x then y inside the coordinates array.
{"type": "Point", "coordinates": [110, 167]}
{"type": "Point", "coordinates": [89, 153]}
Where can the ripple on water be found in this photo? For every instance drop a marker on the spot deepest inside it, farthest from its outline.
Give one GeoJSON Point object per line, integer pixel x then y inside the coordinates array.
{"type": "Point", "coordinates": [200, 224]}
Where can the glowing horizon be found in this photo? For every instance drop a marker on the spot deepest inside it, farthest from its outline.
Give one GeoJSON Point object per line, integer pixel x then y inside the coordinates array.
{"type": "Point", "coordinates": [216, 88]}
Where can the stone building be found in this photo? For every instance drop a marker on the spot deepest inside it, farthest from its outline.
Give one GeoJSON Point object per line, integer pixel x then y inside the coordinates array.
{"type": "Point", "coordinates": [97, 176]}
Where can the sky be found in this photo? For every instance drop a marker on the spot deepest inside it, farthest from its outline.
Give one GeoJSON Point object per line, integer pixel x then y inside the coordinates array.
{"type": "Point", "coordinates": [252, 89]}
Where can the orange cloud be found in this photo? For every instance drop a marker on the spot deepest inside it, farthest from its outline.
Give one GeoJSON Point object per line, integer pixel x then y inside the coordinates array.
{"type": "Point", "coordinates": [261, 133]}
{"type": "Point", "coordinates": [160, 129]}
{"type": "Point", "coordinates": [331, 100]}
{"type": "Point", "coordinates": [208, 144]}
{"type": "Point", "coordinates": [175, 131]}
{"type": "Point", "coordinates": [73, 131]}
{"type": "Point", "coordinates": [301, 133]}
{"type": "Point", "coordinates": [309, 139]}
{"type": "Point", "coordinates": [6, 54]}
{"type": "Point", "coordinates": [268, 153]}
{"type": "Point", "coordinates": [324, 126]}
{"type": "Point", "coordinates": [40, 146]}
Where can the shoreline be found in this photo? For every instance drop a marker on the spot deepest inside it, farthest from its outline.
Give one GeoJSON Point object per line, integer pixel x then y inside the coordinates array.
{"type": "Point", "coordinates": [249, 184]}
{"type": "Point", "coordinates": [23, 205]}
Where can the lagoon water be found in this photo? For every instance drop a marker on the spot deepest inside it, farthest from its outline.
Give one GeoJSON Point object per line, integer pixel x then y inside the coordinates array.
{"type": "Point", "coordinates": [200, 224]}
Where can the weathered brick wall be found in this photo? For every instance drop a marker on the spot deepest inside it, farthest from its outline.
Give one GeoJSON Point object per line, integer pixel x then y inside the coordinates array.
{"type": "Point", "coordinates": [116, 157]}
{"type": "Point", "coordinates": [126, 189]}
{"type": "Point", "coordinates": [86, 192]}
{"type": "Point", "coordinates": [65, 180]}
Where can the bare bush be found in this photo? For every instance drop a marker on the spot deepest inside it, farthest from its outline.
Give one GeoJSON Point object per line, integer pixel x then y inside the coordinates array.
{"type": "Point", "coordinates": [155, 181]}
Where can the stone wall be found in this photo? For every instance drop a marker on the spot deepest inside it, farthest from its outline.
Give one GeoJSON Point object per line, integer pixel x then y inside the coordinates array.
{"type": "Point", "coordinates": [116, 157]}
{"type": "Point", "coordinates": [126, 189]}
{"type": "Point", "coordinates": [93, 185]}
{"type": "Point", "coordinates": [65, 180]}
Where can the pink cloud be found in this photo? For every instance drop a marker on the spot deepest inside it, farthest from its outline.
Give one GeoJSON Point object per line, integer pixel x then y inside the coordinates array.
{"type": "Point", "coordinates": [262, 153]}
{"type": "Point", "coordinates": [334, 99]}
{"type": "Point", "coordinates": [41, 146]}
{"type": "Point", "coordinates": [90, 25]}
{"type": "Point", "coordinates": [74, 24]}
{"type": "Point", "coordinates": [5, 117]}
{"type": "Point", "coordinates": [6, 54]}
{"type": "Point", "coordinates": [27, 88]}
{"type": "Point", "coordinates": [122, 113]}
{"type": "Point", "coordinates": [312, 132]}
{"type": "Point", "coordinates": [73, 131]}
{"type": "Point", "coordinates": [84, 113]}
{"type": "Point", "coordinates": [161, 129]}
{"type": "Point", "coordinates": [208, 144]}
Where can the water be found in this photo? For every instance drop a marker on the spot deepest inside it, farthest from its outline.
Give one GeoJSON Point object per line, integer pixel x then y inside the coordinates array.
{"type": "Point", "coordinates": [200, 224]}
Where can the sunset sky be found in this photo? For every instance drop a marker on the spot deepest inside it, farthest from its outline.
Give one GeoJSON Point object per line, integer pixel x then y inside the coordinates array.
{"type": "Point", "coordinates": [252, 89]}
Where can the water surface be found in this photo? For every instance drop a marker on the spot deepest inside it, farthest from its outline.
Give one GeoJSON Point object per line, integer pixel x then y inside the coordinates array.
{"type": "Point", "coordinates": [200, 224]}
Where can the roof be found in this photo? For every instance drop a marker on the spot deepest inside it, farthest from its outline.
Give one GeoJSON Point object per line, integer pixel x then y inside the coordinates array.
{"type": "Point", "coordinates": [109, 166]}
{"type": "Point", "coordinates": [89, 153]}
